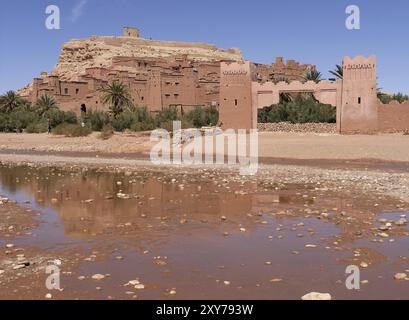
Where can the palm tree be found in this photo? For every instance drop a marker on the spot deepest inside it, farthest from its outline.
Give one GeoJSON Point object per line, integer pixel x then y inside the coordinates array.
{"type": "Point", "coordinates": [338, 72]}
{"type": "Point", "coordinates": [11, 101]}
{"type": "Point", "coordinates": [45, 103]}
{"type": "Point", "coordinates": [400, 97]}
{"type": "Point", "coordinates": [117, 96]}
{"type": "Point", "coordinates": [312, 75]}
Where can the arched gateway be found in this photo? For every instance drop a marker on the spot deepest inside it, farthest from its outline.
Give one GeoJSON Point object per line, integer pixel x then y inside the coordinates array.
{"type": "Point", "coordinates": [358, 108]}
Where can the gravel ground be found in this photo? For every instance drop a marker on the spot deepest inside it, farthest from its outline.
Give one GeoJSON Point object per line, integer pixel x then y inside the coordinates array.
{"type": "Point", "coordinates": [298, 127]}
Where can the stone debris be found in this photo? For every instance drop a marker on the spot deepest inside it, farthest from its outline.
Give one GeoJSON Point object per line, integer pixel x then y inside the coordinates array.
{"type": "Point", "coordinates": [310, 246]}
{"type": "Point", "coordinates": [139, 286]}
{"type": "Point", "coordinates": [329, 128]}
{"type": "Point", "coordinates": [98, 277]}
{"type": "Point", "coordinates": [316, 296]}
{"type": "Point", "coordinates": [401, 276]}
{"type": "Point", "coordinates": [401, 222]}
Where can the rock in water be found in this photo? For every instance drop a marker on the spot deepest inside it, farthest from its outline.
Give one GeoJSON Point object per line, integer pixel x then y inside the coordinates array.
{"type": "Point", "coordinates": [98, 277]}
{"type": "Point", "coordinates": [401, 222]}
{"type": "Point", "coordinates": [317, 296]}
{"type": "Point", "coordinates": [400, 276]}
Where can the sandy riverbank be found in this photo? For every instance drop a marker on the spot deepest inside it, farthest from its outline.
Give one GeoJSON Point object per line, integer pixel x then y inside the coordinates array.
{"type": "Point", "coordinates": [272, 145]}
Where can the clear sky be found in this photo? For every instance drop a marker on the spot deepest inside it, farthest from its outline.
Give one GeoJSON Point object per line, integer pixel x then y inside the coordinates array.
{"type": "Point", "coordinates": [310, 31]}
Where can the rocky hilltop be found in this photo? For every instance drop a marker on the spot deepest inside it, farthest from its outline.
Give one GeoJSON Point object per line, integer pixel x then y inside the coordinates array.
{"type": "Point", "coordinates": [77, 55]}
{"type": "Point", "coordinates": [99, 51]}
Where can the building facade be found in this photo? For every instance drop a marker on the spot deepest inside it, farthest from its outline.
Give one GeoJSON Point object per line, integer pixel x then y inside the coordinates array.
{"type": "Point", "coordinates": [355, 97]}
{"type": "Point", "coordinates": [159, 74]}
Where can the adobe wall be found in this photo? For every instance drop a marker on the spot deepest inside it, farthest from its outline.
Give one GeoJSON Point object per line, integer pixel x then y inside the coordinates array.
{"type": "Point", "coordinates": [393, 117]}
{"type": "Point", "coordinates": [290, 70]}
{"type": "Point", "coordinates": [267, 94]}
{"type": "Point", "coordinates": [358, 108]}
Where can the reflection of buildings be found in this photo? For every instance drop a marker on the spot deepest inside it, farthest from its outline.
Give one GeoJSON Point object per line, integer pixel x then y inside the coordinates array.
{"type": "Point", "coordinates": [160, 202]}
{"type": "Point", "coordinates": [166, 204]}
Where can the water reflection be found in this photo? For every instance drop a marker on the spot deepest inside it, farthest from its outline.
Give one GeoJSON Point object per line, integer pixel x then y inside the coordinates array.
{"type": "Point", "coordinates": [200, 221]}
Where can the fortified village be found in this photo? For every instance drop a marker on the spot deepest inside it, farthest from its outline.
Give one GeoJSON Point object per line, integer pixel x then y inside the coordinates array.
{"type": "Point", "coordinates": [163, 74]}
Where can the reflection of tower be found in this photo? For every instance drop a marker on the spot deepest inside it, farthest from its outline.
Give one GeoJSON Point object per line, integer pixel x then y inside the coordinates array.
{"type": "Point", "coordinates": [359, 100]}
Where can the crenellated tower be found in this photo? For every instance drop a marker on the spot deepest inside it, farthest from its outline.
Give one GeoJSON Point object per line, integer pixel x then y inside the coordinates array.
{"type": "Point", "coordinates": [358, 111]}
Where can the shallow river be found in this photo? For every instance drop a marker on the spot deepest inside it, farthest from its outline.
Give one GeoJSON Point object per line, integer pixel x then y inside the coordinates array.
{"type": "Point", "coordinates": [207, 235]}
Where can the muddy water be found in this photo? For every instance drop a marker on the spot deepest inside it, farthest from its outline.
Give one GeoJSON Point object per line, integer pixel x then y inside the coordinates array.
{"type": "Point", "coordinates": [206, 235]}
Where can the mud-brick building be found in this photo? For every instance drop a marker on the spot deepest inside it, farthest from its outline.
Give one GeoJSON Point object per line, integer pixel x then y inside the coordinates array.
{"type": "Point", "coordinates": [160, 74]}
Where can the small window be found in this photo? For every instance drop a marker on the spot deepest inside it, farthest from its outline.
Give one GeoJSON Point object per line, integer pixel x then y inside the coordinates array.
{"type": "Point", "coordinates": [236, 102]}
{"type": "Point", "coordinates": [77, 91]}
{"type": "Point", "coordinates": [66, 90]}
{"type": "Point", "coordinates": [359, 100]}
{"type": "Point", "coordinates": [142, 98]}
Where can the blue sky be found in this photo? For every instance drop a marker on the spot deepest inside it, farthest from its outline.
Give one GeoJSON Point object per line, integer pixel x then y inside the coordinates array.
{"type": "Point", "coordinates": [310, 31]}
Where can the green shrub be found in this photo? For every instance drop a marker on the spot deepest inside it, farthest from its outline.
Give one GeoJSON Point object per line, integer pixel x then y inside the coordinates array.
{"type": "Point", "coordinates": [167, 125]}
{"type": "Point", "coordinates": [96, 120]}
{"type": "Point", "coordinates": [29, 119]}
{"type": "Point", "coordinates": [71, 130]}
{"type": "Point", "coordinates": [203, 116]}
{"type": "Point", "coordinates": [5, 122]}
{"type": "Point", "coordinates": [165, 116]}
{"type": "Point", "coordinates": [20, 119]}
{"type": "Point", "coordinates": [38, 127]}
{"type": "Point", "coordinates": [303, 109]}
{"type": "Point", "coordinates": [142, 114]}
{"type": "Point", "coordinates": [136, 119]}
{"type": "Point", "coordinates": [142, 126]}
{"type": "Point", "coordinates": [58, 117]}
{"type": "Point", "coordinates": [124, 121]}
{"type": "Point", "coordinates": [276, 113]}
{"type": "Point", "coordinates": [388, 98]}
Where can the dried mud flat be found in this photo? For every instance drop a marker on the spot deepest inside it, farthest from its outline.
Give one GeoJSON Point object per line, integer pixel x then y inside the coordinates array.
{"type": "Point", "coordinates": [123, 229]}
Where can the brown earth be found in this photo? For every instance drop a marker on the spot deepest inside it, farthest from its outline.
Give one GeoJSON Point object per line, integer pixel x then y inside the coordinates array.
{"type": "Point", "coordinates": [272, 145]}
